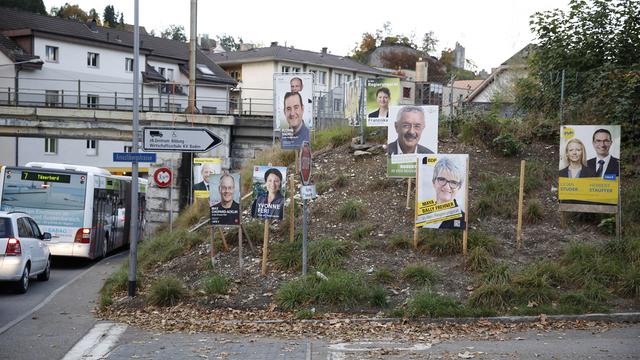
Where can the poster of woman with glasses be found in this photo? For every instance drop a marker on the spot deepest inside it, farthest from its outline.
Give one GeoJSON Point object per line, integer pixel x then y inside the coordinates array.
{"type": "Point", "coordinates": [589, 168]}
{"type": "Point", "coordinates": [441, 191]}
{"type": "Point", "coordinates": [412, 130]}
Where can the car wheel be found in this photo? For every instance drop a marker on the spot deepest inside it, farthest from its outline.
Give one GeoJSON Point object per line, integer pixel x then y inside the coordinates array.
{"type": "Point", "coordinates": [44, 276]}
{"type": "Point", "coordinates": [23, 284]}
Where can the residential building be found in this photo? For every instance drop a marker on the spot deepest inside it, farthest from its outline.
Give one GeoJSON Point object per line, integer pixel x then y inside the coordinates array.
{"type": "Point", "coordinates": [454, 95]}
{"type": "Point", "coordinates": [82, 65]}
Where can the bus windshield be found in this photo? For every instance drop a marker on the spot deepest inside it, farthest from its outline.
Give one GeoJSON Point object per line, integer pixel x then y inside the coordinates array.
{"type": "Point", "coordinates": [52, 198]}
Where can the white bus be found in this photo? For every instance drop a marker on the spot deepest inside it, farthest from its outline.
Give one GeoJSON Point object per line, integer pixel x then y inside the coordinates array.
{"type": "Point", "coordinates": [85, 208]}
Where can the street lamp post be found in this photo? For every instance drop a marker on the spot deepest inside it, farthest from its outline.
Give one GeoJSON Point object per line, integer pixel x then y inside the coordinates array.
{"type": "Point", "coordinates": [16, 83]}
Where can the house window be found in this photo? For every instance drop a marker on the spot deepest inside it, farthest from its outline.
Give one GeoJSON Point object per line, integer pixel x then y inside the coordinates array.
{"type": "Point", "coordinates": [337, 105]}
{"type": "Point", "coordinates": [347, 78]}
{"type": "Point", "coordinates": [50, 145]}
{"type": "Point", "coordinates": [295, 69]}
{"type": "Point", "coordinates": [92, 101]}
{"type": "Point", "coordinates": [286, 69]}
{"type": "Point", "coordinates": [92, 147]}
{"type": "Point", "coordinates": [128, 148]}
{"type": "Point", "coordinates": [173, 107]}
{"type": "Point", "coordinates": [322, 77]}
{"type": "Point", "coordinates": [170, 74]}
{"type": "Point", "coordinates": [235, 74]}
{"type": "Point", "coordinates": [338, 78]}
{"type": "Point", "coordinates": [128, 64]}
{"type": "Point", "coordinates": [51, 53]}
{"type": "Point", "coordinates": [406, 92]}
{"type": "Point", "coordinates": [162, 71]}
{"type": "Point", "coordinates": [51, 98]}
{"type": "Point", "coordinates": [93, 59]}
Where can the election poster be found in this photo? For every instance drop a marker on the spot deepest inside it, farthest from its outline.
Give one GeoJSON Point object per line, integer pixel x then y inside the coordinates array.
{"type": "Point", "coordinates": [412, 130]}
{"type": "Point", "coordinates": [203, 168]}
{"type": "Point", "coordinates": [589, 168]}
{"type": "Point", "coordinates": [381, 94]}
{"type": "Point", "coordinates": [441, 191]}
{"type": "Point", "coordinates": [269, 184]}
{"type": "Point", "coordinates": [293, 107]}
{"type": "Point", "coordinates": [352, 101]}
{"type": "Point", "coordinates": [224, 199]}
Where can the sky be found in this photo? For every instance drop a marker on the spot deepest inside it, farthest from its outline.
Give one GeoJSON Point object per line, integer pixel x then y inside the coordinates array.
{"type": "Point", "coordinates": [489, 30]}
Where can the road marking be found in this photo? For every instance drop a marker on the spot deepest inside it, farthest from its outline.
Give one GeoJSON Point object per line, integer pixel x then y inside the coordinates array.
{"type": "Point", "coordinates": [97, 343]}
{"type": "Point", "coordinates": [48, 298]}
{"type": "Point", "coordinates": [338, 351]}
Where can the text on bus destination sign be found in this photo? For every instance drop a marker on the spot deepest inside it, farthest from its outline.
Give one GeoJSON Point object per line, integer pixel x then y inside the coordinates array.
{"type": "Point", "coordinates": [38, 176]}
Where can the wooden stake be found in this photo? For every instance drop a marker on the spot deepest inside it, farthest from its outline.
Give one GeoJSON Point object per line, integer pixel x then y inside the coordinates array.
{"type": "Point", "coordinates": [409, 190]}
{"type": "Point", "coordinates": [265, 247]}
{"type": "Point", "coordinates": [249, 241]}
{"type": "Point", "coordinates": [465, 233]}
{"type": "Point", "coordinates": [292, 222]}
{"type": "Point", "coordinates": [520, 205]}
{"type": "Point", "coordinates": [224, 240]}
{"type": "Point", "coordinates": [212, 253]}
{"type": "Point", "coordinates": [240, 259]}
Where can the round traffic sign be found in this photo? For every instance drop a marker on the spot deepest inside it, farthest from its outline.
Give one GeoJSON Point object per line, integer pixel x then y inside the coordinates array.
{"type": "Point", "coordinates": [163, 176]}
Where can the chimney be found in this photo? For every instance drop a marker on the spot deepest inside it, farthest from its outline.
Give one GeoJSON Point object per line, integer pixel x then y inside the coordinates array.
{"type": "Point", "coordinates": [246, 46]}
{"type": "Point", "coordinates": [93, 25]}
{"type": "Point", "coordinates": [324, 51]}
{"type": "Point", "coordinates": [274, 43]}
{"type": "Point", "coordinates": [422, 70]}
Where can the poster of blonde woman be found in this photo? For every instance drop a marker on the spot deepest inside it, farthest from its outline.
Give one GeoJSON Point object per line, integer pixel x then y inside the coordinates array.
{"type": "Point", "coordinates": [589, 168]}
{"type": "Point", "coordinates": [441, 191]}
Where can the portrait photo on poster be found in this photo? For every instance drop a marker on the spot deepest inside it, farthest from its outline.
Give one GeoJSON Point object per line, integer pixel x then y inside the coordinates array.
{"type": "Point", "coordinates": [352, 93]}
{"type": "Point", "coordinates": [412, 130]}
{"type": "Point", "coordinates": [440, 192]}
{"type": "Point", "coordinates": [297, 133]}
{"type": "Point", "coordinates": [269, 185]}
{"type": "Point", "coordinates": [380, 95]}
{"type": "Point", "coordinates": [224, 198]}
{"type": "Point", "coordinates": [589, 166]}
{"type": "Point", "coordinates": [203, 168]}
{"type": "Point", "coordinates": [301, 83]}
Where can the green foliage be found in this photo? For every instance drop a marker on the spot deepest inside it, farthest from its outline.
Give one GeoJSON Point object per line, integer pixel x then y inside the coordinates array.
{"type": "Point", "coordinates": [479, 260]}
{"type": "Point", "coordinates": [166, 291]}
{"type": "Point", "coordinates": [116, 282]}
{"type": "Point", "coordinates": [534, 213]}
{"type": "Point", "coordinates": [483, 240]}
{"type": "Point", "coordinates": [630, 283]}
{"type": "Point", "coordinates": [369, 42]}
{"type": "Point", "coordinates": [498, 195]}
{"type": "Point", "coordinates": [341, 290]}
{"type": "Point", "coordinates": [595, 43]}
{"type": "Point", "coordinates": [427, 303]}
{"type": "Point", "coordinates": [499, 273]}
{"type": "Point", "coordinates": [35, 6]}
{"type": "Point", "coordinates": [383, 275]}
{"type": "Point", "coordinates": [536, 172]}
{"type": "Point", "coordinates": [215, 284]}
{"type": "Point", "coordinates": [174, 32]}
{"type": "Point", "coordinates": [322, 186]}
{"type": "Point", "coordinates": [586, 263]}
{"type": "Point", "coordinates": [254, 229]}
{"type": "Point", "coordinates": [529, 286]}
{"type": "Point", "coordinates": [351, 210]}
{"type": "Point", "coordinates": [508, 144]}
{"type": "Point", "coordinates": [229, 43]}
{"type": "Point", "coordinates": [332, 137]}
{"type": "Point", "coordinates": [399, 241]}
{"type": "Point", "coordinates": [304, 314]}
{"type": "Point", "coordinates": [165, 246]}
{"type": "Point", "coordinates": [550, 270]}
{"type": "Point", "coordinates": [340, 181]}
{"type": "Point", "coordinates": [322, 254]}
{"type": "Point", "coordinates": [492, 295]}
{"type": "Point", "coordinates": [421, 275]}
{"type": "Point", "coordinates": [441, 243]}
{"type": "Point", "coordinates": [362, 231]}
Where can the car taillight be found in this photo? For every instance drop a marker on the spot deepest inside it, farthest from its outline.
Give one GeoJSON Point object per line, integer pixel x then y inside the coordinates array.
{"type": "Point", "coordinates": [13, 247]}
{"type": "Point", "coordinates": [83, 236]}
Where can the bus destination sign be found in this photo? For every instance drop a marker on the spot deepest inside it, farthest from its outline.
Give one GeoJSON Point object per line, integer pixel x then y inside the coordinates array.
{"type": "Point", "coordinates": [48, 177]}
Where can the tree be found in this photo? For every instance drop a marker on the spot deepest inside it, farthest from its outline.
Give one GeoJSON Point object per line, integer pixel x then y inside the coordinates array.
{"type": "Point", "coordinates": [595, 43]}
{"type": "Point", "coordinates": [399, 60]}
{"type": "Point", "coordinates": [36, 6]}
{"type": "Point", "coordinates": [381, 37]}
{"type": "Point", "coordinates": [429, 42]}
{"type": "Point", "coordinates": [174, 32]}
{"type": "Point", "coordinates": [229, 43]}
{"type": "Point", "coordinates": [70, 12]}
{"type": "Point", "coordinates": [109, 16]}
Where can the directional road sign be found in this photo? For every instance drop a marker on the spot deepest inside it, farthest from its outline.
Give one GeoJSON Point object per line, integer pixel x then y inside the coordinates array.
{"type": "Point", "coordinates": [179, 139]}
{"type": "Point", "coordinates": [131, 157]}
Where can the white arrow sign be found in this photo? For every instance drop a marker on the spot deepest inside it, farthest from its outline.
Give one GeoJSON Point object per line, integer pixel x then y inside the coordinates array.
{"type": "Point", "coordinates": [179, 139]}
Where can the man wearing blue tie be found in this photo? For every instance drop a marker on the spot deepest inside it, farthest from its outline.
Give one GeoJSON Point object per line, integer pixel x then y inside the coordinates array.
{"type": "Point", "coordinates": [603, 164]}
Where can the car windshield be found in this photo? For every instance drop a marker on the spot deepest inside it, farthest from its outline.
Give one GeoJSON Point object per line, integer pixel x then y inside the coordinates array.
{"type": "Point", "coordinates": [5, 228]}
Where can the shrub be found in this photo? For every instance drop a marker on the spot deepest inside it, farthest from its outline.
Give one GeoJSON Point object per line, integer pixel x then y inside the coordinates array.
{"type": "Point", "coordinates": [166, 291]}
{"type": "Point", "coordinates": [498, 195]}
{"type": "Point", "coordinates": [216, 284]}
{"type": "Point", "coordinates": [441, 243]}
{"type": "Point", "coordinates": [322, 187]}
{"type": "Point", "coordinates": [166, 246]}
{"type": "Point", "coordinates": [508, 144]}
{"type": "Point", "coordinates": [351, 210]}
{"type": "Point", "coordinates": [484, 240]}
{"type": "Point", "coordinates": [420, 274]}
{"type": "Point", "coordinates": [586, 262]}
{"type": "Point", "coordinates": [362, 232]}
{"type": "Point", "coordinates": [534, 212]}
{"type": "Point", "coordinates": [499, 273]}
{"type": "Point", "coordinates": [333, 137]}
{"type": "Point", "coordinates": [383, 275]}
{"type": "Point", "coordinates": [630, 283]}
{"type": "Point", "coordinates": [378, 297]}
{"type": "Point", "coordinates": [548, 269]}
{"type": "Point", "coordinates": [192, 215]}
{"type": "Point", "coordinates": [323, 254]}
{"type": "Point", "coordinates": [399, 241]}
{"type": "Point", "coordinates": [536, 172]}
{"type": "Point", "coordinates": [479, 260]}
{"type": "Point", "coordinates": [533, 288]}
{"type": "Point", "coordinates": [427, 303]}
{"type": "Point", "coordinates": [492, 295]}
{"type": "Point", "coordinates": [304, 314]}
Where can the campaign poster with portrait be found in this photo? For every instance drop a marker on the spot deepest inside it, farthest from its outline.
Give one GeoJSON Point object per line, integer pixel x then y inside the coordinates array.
{"type": "Point", "coordinates": [412, 130]}
{"type": "Point", "coordinates": [224, 199]}
{"type": "Point", "coordinates": [381, 94]}
{"type": "Point", "coordinates": [293, 107]}
{"type": "Point", "coordinates": [441, 191]}
{"type": "Point", "coordinates": [203, 168]}
{"type": "Point", "coordinates": [352, 103]}
{"type": "Point", "coordinates": [589, 169]}
{"type": "Point", "coordinates": [269, 191]}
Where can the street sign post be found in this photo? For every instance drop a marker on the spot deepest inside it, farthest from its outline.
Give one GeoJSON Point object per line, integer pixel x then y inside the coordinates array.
{"type": "Point", "coordinates": [179, 139]}
{"type": "Point", "coordinates": [131, 157]}
{"type": "Point", "coordinates": [305, 176]}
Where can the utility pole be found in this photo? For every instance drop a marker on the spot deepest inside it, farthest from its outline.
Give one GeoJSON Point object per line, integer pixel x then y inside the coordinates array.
{"type": "Point", "coordinates": [133, 231]}
{"type": "Point", "coordinates": [192, 57]}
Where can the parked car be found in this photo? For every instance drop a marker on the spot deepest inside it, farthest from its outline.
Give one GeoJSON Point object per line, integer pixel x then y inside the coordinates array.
{"type": "Point", "coordinates": [23, 250]}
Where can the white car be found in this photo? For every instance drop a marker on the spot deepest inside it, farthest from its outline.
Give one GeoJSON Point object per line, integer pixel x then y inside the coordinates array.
{"type": "Point", "coordinates": [23, 250]}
